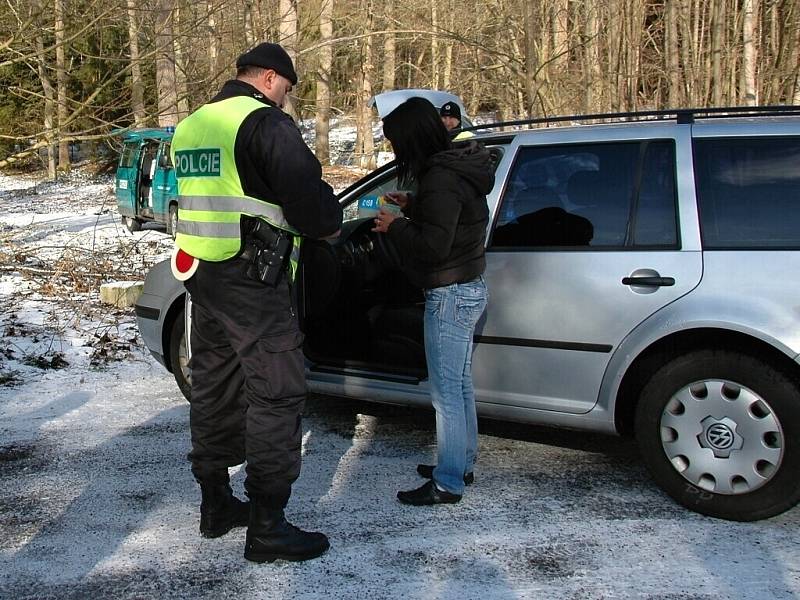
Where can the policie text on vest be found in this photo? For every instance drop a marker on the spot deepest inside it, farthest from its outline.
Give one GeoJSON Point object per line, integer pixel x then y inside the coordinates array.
{"type": "Point", "coordinates": [201, 162]}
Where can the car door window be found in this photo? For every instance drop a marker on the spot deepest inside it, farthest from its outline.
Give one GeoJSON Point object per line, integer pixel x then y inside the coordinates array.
{"type": "Point", "coordinates": [589, 195]}
{"type": "Point", "coordinates": [748, 192]}
{"type": "Point", "coordinates": [365, 204]}
{"type": "Point", "coordinates": [654, 222]}
{"type": "Point", "coordinates": [128, 155]}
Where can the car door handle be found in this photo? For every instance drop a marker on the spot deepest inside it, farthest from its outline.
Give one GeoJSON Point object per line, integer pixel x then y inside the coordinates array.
{"type": "Point", "coordinates": [649, 281]}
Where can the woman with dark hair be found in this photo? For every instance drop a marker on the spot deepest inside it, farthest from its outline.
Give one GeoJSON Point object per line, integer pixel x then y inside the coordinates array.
{"type": "Point", "coordinates": [440, 238]}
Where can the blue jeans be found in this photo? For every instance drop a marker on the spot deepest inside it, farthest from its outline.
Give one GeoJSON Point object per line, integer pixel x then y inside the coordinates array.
{"type": "Point", "coordinates": [451, 313]}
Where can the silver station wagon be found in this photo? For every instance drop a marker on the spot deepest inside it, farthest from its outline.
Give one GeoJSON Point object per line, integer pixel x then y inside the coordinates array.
{"type": "Point", "coordinates": [643, 279]}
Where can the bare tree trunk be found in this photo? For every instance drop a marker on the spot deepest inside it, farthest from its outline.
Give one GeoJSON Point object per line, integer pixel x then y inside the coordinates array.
{"type": "Point", "coordinates": [434, 44]}
{"type": "Point", "coordinates": [634, 54]}
{"type": "Point", "coordinates": [531, 59]}
{"type": "Point", "coordinates": [165, 66]}
{"type": "Point", "coordinates": [213, 41]}
{"type": "Point", "coordinates": [323, 116]}
{"type": "Point", "coordinates": [683, 26]}
{"type": "Point", "coordinates": [249, 34]}
{"type": "Point", "coordinates": [182, 89]}
{"type": "Point", "coordinates": [287, 27]}
{"type": "Point", "coordinates": [717, 40]}
{"type": "Point", "coordinates": [365, 145]}
{"type": "Point", "coordinates": [447, 75]}
{"type": "Point", "coordinates": [475, 96]}
{"type": "Point", "coordinates": [514, 88]}
{"type": "Point", "coordinates": [592, 57]}
{"type": "Point", "coordinates": [674, 96]}
{"type": "Point", "coordinates": [389, 42]}
{"type": "Point", "coordinates": [61, 86]}
{"type": "Point", "coordinates": [616, 39]}
{"type": "Point", "coordinates": [796, 95]}
{"type": "Point", "coordinates": [49, 104]}
{"type": "Point", "coordinates": [556, 59]}
{"type": "Point", "coordinates": [559, 25]}
{"type": "Point", "coordinates": [137, 83]}
{"type": "Point", "coordinates": [749, 53]}
{"type": "Point", "coordinates": [699, 89]}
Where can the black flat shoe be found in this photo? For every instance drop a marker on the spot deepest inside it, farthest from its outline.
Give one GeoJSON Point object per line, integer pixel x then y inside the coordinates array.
{"type": "Point", "coordinates": [427, 472]}
{"type": "Point", "coordinates": [427, 494]}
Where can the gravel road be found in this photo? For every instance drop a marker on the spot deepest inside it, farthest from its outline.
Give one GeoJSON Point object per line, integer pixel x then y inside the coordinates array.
{"type": "Point", "coordinates": [96, 501]}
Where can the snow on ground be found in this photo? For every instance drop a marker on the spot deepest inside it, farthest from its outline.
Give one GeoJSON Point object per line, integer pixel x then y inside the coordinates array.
{"type": "Point", "coordinates": [96, 497]}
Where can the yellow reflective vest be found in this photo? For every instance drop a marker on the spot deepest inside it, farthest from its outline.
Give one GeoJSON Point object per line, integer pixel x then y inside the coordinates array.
{"type": "Point", "coordinates": [211, 201]}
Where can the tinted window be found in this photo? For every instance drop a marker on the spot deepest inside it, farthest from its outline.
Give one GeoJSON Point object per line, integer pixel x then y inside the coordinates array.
{"type": "Point", "coordinates": [749, 192]}
{"type": "Point", "coordinates": [598, 195]}
{"type": "Point", "coordinates": [655, 222]}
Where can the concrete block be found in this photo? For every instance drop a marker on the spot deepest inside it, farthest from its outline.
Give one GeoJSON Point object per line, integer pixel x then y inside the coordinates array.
{"type": "Point", "coordinates": [121, 294]}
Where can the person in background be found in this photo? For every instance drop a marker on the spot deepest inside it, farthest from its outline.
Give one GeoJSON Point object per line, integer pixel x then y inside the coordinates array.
{"type": "Point", "coordinates": [451, 118]}
{"type": "Point", "coordinates": [249, 190]}
{"type": "Point", "coordinates": [440, 237]}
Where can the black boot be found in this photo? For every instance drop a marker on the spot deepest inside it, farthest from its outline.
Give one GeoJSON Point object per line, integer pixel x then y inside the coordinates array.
{"type": "Point", "coordinates": [270, 537]}
{"type": "Point", "coordinates": [220, 510]}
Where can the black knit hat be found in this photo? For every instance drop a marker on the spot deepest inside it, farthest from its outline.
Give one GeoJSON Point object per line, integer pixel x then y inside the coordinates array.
{"type": "Point", "coordinates": [450, 109]}
{"type": "Point", "coordinates": [269, 56]}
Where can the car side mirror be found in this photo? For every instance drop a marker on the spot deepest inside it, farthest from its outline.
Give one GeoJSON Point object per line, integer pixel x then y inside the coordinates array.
{"type": "Point", "coordinates": [164, 162]}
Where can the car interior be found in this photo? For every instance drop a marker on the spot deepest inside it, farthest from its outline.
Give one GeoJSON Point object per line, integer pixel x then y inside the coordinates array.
{"type": "Point", "coordinates": [146, 172]}
{"type": "Point", "coordinates": [359, 310]}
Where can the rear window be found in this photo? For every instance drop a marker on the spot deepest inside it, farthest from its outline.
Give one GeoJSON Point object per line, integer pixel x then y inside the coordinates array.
{"type": "Point", "coordinates": [748, 192]}
{"type": "Point", "coordinates": [128, 155]}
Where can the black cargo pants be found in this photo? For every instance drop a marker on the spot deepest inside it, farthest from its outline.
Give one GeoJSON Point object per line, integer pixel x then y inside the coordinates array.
{"type": "Point", "coordinates": [248, 381]}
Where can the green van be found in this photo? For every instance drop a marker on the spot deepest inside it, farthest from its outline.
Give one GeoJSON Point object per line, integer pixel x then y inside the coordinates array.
{"type": "Point", "coordinates": [146, 187]}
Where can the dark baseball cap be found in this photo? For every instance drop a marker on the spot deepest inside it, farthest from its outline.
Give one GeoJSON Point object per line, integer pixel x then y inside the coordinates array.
{"type": "Point", "coordinates": [269, 56]}
{"type": "Point", "coordinates": [450, 109]}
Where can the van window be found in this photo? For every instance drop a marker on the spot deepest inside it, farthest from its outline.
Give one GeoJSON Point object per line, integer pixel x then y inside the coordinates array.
{"type": "Point", "coordinates": [128, 157]}
{"type": "Point", "coordinates": [612, 195]}
{"type": "Point", "coordinates": [748, 192]}
{"type": "Point", "coordinates": [165, 161]}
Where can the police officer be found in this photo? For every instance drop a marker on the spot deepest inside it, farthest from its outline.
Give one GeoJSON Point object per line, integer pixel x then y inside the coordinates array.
{"type": "Point", "coordinates": [451, 117]}
{"type": "Point", "coordinates": [249, 191]}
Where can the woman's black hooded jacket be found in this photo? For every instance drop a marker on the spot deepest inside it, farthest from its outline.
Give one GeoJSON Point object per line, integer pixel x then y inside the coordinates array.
{"type": "Point", "coordinates": [442, 239]}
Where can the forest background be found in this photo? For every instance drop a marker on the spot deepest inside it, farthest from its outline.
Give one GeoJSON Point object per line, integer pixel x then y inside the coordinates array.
{"type": "Point", "coordinates": [76, 71]}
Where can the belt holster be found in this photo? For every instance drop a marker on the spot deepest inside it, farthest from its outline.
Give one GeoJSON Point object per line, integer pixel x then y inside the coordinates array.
{"type": "Point", "coordinates": [268, 250]}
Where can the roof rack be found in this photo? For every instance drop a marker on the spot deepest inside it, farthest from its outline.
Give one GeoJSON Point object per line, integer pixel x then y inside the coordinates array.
{"type": "Point", "coordinates": [681, 115]}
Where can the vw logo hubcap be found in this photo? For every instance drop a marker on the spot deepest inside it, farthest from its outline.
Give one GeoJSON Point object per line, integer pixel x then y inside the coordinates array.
{"type": "Point", "coordinates": [720, 436]}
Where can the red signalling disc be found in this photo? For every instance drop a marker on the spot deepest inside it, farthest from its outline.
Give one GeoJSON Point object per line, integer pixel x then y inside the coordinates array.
{"type": "Point", "coordinates": [183, 265]}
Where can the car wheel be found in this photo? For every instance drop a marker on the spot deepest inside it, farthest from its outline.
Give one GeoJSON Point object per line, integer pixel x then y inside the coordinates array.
{"type": "Point", "coordinates": [132, 224]}
{"type": "Point", "coordinates": [179, 356]}
{"type": "Point", "coordinates": [172, 224]}
{"type": "Point", "coordinates": [720, 433]}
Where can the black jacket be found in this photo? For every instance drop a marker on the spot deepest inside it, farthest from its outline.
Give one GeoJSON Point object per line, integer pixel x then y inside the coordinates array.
{"type": "Point", "coordinates": [442, 240]}
{"type": "Point", "coordinates": [276, 165]}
